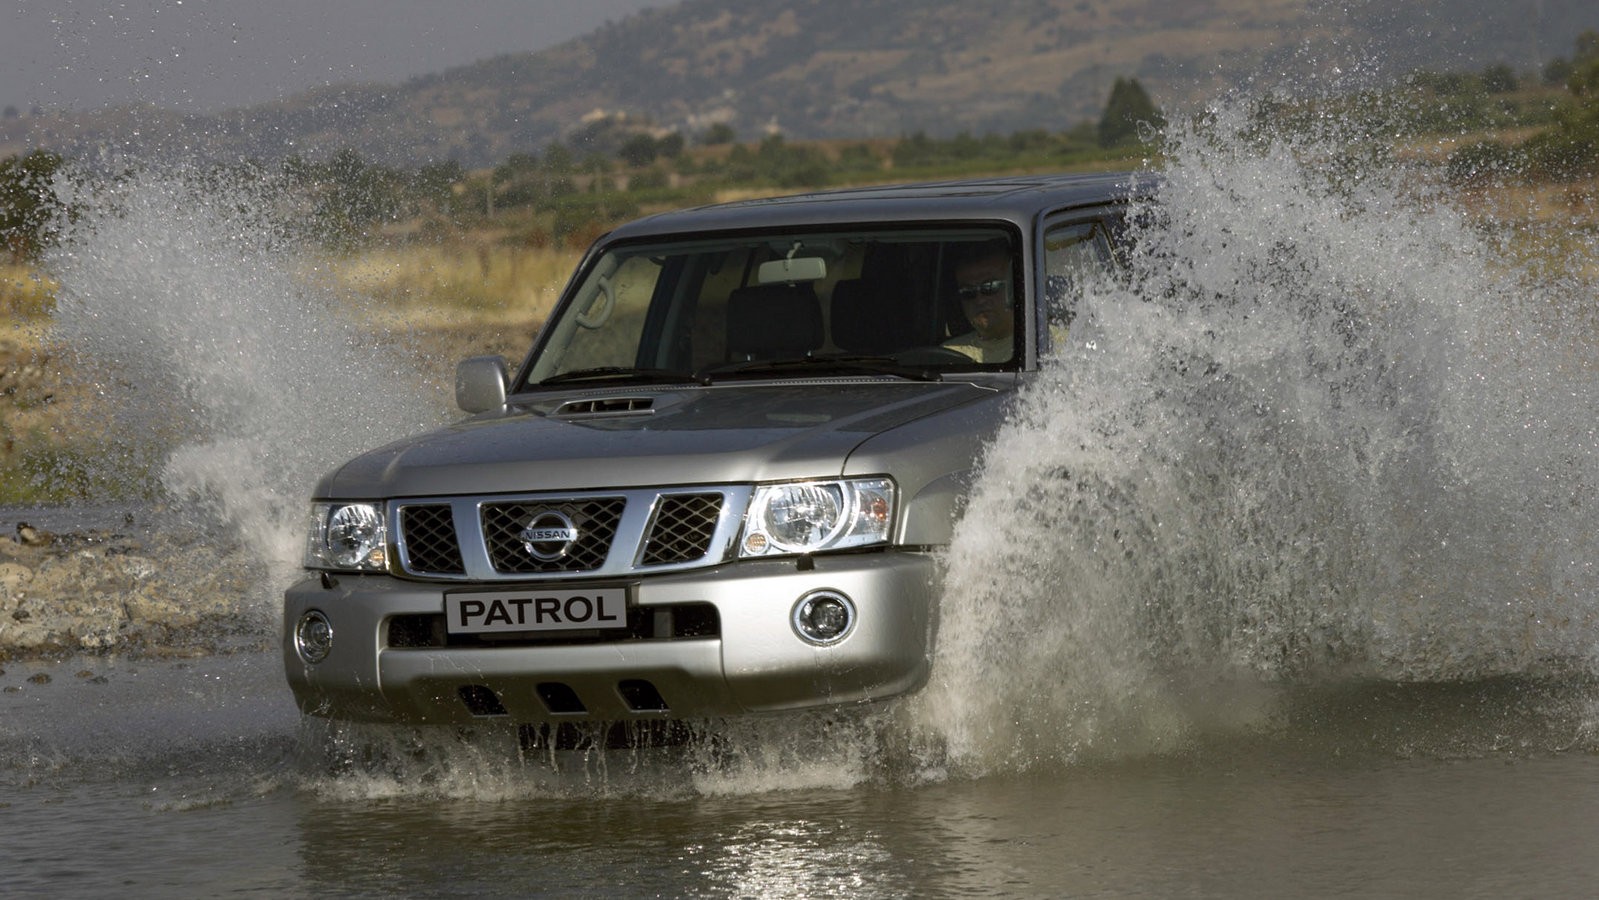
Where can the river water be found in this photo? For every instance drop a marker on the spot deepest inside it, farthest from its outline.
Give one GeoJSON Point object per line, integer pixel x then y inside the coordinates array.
{"type": "Point", "coordinates": [1281, 581]}
{"type": "Point", "coordinates": [197, 779]}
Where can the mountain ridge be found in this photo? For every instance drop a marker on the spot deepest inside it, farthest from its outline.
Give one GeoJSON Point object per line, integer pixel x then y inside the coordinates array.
{"type": "Point", "coordinates": [845, 68]}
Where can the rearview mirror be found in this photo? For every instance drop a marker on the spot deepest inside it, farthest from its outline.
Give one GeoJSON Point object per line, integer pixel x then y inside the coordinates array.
{"type": "Point", "coordinates": [788, 271]}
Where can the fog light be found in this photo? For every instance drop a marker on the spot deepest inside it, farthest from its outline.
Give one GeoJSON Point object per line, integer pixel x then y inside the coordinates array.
{"type": "Point", "coordinates": [824, 617]}
{"type": "Point", "coordinates": [313, 637]}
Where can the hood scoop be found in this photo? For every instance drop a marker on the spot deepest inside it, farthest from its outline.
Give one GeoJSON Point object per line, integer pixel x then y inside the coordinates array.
{"type": "Point", "coordinates": [596, 407]}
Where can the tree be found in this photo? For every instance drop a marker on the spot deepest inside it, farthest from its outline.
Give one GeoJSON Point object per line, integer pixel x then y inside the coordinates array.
{"type": "Point", "coordinates": [638, 150]}
{"type": "Point", "coordinates": [1570, 148]}
{"type": "Point", "coordinates": [670, 146]}
{"type": "Point", "coordinates": [1587, 47]}
{"type": "Point", "coordinates": [914, 149]}
{"type": "Point", "coordinates": [434, 183]}
{"type": "Point", "coordinates": [358, 193]}
{"type": "Point", "coordinates": [1556, 71]}
{"type": "Point", "coordinates": [720, 133]}
{"type": "Point", "coordinates": [790, 165]}
{"type": "Point", "coordinates": [1128, 109]}
{"type": "Point", "coordinates": [1584, 79]}
{"type": "Point", "coordinates": [1499, 79]}
{"type": "Point", "coordinates": [29, 207]}
{"type": "Point", "coordinates": [517, 165]}
{"type": "Point", "coordinates": [558, 158]}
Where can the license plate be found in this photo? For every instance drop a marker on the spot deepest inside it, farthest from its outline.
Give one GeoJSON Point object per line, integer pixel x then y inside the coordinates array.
{"type": "Point", "coordinates": [573, 609]}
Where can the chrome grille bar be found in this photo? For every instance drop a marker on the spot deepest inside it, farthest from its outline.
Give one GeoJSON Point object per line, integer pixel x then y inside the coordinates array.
{"type": "Point", "coordinates": [652, 530]}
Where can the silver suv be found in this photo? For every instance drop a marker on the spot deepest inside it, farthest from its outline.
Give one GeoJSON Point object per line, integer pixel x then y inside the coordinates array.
{"type": "Point", "coordinates": [719, 482]}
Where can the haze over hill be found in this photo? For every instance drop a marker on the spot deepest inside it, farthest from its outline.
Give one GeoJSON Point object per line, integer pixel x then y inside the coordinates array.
{"type": "Point", "coordinates": [848, 68]}
{"type": "Point", "coordinates": [209, 55]}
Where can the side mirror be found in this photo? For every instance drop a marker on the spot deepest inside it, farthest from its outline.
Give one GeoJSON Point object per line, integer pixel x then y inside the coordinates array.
{"type": "Point", "coordinates": [480, 383]}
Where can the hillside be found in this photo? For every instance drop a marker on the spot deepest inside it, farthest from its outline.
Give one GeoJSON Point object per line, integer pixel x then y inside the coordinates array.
{"type": "Point", "coordinates": [853, 68]}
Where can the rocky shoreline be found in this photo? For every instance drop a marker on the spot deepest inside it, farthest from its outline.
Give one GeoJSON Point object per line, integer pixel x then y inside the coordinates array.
{"type": "Point", "coordinates": [158, 593]}
{"type": "Point", "coordinates": [87, 580]}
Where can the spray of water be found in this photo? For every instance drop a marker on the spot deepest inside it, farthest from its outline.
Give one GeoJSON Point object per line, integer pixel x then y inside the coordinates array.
{"type": "Point", "coordinates": [185, 301]}
{"type": "Point", "coordinates": [1326, 429]}
{"type": "Point", "coordinates": [817, 751]}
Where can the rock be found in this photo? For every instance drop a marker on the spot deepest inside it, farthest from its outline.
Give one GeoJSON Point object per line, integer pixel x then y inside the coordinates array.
{"type": "Point", "coordinates": [31, 536]}
{"type": "Point", "coordinates": [99, 591]}
{"type": "Point", "coordinates": [138, 567]}
{"type": "Point", "coordinates": [40, 678]}
{"type": "Point", "coordinates": [23, 636]}
{"type": "Point", "coordinates": [13, 576]}
{"type": "Point", "coordinates": [96, 637]}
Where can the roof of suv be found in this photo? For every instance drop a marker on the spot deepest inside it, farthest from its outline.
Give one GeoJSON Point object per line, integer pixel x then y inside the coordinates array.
{"type": "Point", "coordinates": [1017, 199]}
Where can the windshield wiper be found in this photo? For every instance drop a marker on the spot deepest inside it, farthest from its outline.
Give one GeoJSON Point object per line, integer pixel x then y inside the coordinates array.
{"type": "Point", "coordinates": [819, 365]}
{"type": "Point", "coordinates": [623, 373]}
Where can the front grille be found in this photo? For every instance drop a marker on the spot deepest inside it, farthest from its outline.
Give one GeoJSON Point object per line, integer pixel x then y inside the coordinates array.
{"type": "Point", "coordinates": [430, 544]}
{"type": "Point", "coordinates": [618, 533]}
{"type": "Point", "coordinates": [682, 530]}
{"type": "Point", "coordinates": [595, 519]}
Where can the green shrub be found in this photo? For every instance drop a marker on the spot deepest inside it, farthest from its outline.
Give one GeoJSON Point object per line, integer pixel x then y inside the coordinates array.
{"type": "Point", "coordinates": [1485, 161]}
{"type": "Point", "coordinates": [29, 207]}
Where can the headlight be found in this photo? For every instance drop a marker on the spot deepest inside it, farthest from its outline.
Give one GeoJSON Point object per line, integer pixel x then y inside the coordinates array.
{"type": "Point", "coordinates": [807, 516]}
{"type": "Point", "coordinates": [348, 536]}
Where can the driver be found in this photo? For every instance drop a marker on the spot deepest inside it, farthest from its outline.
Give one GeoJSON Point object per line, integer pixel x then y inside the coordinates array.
{"type": "Point", "coordinates": [983, 279]}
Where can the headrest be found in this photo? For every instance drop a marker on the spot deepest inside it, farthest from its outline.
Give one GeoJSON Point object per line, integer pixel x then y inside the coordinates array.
{"type": "Point", "coordinates": [870, 318]}
{"type": "Point", "coordinates": [773, 320]}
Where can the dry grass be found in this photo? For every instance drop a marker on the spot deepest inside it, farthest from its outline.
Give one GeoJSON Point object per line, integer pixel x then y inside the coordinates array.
{"type": "Point", "coordinates": [479, 281]}
{"type": "Point", "coordinates": [456, 298]}
{"type": "Point", "coordinates": [25, 295]}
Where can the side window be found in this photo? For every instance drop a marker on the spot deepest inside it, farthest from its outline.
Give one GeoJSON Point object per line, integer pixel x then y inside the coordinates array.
{"type": "Point", "coordinates": [1075, 255]}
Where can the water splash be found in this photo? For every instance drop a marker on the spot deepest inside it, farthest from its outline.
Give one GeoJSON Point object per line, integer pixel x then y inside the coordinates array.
{"type": "Point", "coordinates": [815, 751]}
{"type": "Point", "coordinates": [184, 298]}
{"type": "Point", "coordinates": [1328, 428]}
{"type": "Point", "coordinates": [1328, 431]}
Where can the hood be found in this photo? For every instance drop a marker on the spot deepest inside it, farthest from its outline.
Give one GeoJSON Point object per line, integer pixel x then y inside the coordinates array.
{"type": "Point", "coordinates": [612, 438]}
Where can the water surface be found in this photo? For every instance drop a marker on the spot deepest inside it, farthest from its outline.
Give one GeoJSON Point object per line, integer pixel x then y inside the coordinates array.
{"type": "Point", "coordinates": [197, 778]}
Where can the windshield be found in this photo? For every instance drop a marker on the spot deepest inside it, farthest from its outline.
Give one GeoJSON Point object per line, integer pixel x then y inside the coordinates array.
{"type": "Point", "coordinates": [895, 302]}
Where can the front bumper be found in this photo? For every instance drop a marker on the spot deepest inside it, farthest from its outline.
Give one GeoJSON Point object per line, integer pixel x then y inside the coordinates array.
{"type": "Point", "coordinates": [753, 662]}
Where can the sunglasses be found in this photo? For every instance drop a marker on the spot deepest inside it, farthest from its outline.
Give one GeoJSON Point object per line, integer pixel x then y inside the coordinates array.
{"type": "Point", "coordinates": [983, 289]}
